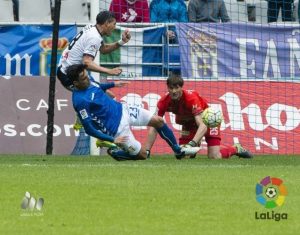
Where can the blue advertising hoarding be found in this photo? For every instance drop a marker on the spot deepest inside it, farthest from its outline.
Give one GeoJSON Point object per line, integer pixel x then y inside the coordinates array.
{"type": "Point", "coordinates": [25, 50]}
{"type": "Point", "coordinates": [239, 50]}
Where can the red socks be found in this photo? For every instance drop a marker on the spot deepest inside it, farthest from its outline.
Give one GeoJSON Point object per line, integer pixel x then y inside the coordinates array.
{"type": "Point", "coordinates": [227, 151]}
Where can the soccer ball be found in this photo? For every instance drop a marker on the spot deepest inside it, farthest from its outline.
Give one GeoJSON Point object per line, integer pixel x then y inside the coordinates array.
{"type": "Point", "coordinates": [212, 118]}
{"type": "Point", "coordinates": [271, 192]}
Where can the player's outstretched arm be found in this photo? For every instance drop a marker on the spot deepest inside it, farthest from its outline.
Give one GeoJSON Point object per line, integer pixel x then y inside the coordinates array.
{"type": "Point", "coordinates": [92, 131]}
{"type": "Point", "coordinates": [121, 83]}
{"type": "Point", "coordinates": [202, 129]}
{"type": "Point", "coordinates": [92, 66]}
{"type": "Point", "coordinates": [107, 86]}
{"type": "Point", "coordinates": [108, 48]}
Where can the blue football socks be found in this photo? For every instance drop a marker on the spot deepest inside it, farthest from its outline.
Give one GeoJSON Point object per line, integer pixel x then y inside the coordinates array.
{"type": "Point", "coordinates": [167, 134]}
{"type": "Point", "coordinates": [121, 155]}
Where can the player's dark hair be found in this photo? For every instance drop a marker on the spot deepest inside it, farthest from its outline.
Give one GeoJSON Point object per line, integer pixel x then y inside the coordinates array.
{"type": "Point", "coordinates": [175, 80]}
{"type": "Point", "coordinates": [74, 70]}
{"type": "Point", "coordinates": [105, 16]}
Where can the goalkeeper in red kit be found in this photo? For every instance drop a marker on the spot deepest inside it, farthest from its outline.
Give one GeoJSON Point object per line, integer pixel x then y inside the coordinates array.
{"type": "Point", "coordinates": [187, 105]}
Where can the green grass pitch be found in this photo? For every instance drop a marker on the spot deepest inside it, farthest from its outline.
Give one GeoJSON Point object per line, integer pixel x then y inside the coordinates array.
{"type": "Point", "coordinates": [97, 195]}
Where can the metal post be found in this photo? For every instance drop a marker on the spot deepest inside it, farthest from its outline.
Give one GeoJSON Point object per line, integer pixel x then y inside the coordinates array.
{"type": "Point", "coordinates": [51, 98]}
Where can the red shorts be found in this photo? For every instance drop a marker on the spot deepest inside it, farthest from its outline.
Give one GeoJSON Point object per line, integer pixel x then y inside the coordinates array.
{"type": "Point", "coordinates": [212, 136]}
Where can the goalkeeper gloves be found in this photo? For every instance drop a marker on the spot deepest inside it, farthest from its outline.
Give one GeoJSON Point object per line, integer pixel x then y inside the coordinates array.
{"type": "Point", "coordinates": [192, 143]}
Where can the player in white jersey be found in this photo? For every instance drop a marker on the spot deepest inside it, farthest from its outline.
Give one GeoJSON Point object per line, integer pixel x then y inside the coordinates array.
{"type": "Point", "coordinates": [84, 48]}
{"type": "Point", "coordinates": [85, 45]}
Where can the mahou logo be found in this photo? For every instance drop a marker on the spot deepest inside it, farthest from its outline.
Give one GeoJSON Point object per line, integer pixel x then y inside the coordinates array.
{"type": "Point", "coordinates": [257, 118]}
{"type": "Point", "coordinates": [255, 113]}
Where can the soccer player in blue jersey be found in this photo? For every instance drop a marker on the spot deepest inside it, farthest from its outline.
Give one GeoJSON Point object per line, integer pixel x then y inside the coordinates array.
{"type": "Point", "coordinates": [109, 120]}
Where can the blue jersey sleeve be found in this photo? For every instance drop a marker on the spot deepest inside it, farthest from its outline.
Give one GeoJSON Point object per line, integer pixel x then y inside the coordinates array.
{"type": "Point", "coordinates": [92, 131]}
{"type": "Point", "coordinates": [103, 86]}
{"type": "Point", "coordinates": [87, 122]}
{"type": "Point", "coordinates": [106, 86]}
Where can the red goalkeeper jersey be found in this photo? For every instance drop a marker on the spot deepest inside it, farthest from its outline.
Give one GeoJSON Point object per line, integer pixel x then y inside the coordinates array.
{"type": "Point", "coordinates": [189, 105]}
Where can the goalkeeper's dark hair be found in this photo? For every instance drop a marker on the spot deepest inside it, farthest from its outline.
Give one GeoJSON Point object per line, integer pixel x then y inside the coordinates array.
{"type": "Point", "coordinates": [105, 16]}
{"type": "Point", "coordinates": [175, 80]}
{"type": "Point", "coordinates": [74, 70]}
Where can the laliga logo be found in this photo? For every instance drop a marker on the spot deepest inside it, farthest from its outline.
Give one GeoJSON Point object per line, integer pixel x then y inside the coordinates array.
{"type": "Point", "coordinates": [271, 193]}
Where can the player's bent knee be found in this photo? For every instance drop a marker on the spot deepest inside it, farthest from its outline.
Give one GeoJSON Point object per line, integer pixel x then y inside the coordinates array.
{"type": "Point", "coordinates": [213, 152]}
{"type": "Point", "coordinates": [156, 121]}
{"type": "Point", "coordinates": [214, 156]}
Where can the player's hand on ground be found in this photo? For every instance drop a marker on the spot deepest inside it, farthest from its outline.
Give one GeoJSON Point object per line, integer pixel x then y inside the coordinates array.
{"type": "Point", "coordinates": [115, 71]}
{"type": "Point", "coordinates": [120, 140]}
{"type": "Point", "coordinates": [126, 36]}
{"type": "Point", "coordinates": [121, 83]}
